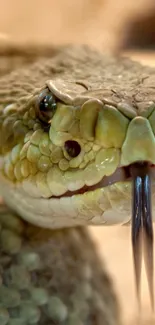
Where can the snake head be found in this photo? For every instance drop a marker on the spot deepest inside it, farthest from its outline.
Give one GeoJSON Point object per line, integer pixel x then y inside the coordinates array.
{"type": "Point", "coordinates": [70, 157]}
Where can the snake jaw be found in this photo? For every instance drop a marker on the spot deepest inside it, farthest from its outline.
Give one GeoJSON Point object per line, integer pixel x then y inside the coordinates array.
{"type": "Point", "coordinates": [142, 226]}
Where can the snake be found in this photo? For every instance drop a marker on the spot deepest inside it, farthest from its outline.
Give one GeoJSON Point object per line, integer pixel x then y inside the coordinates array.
{"type": "Point", "coordinates": [77, 146]}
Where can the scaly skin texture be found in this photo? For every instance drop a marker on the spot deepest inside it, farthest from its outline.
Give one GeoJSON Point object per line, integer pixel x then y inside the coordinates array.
{"type": "Point", "coordinates": [104, 104]}
{"type": "Point", "coordinates": [104, 108]}
{"type": "Point", "coordinates": [51, 277]}
{"type": "Point", "coordinates": [46, 276]}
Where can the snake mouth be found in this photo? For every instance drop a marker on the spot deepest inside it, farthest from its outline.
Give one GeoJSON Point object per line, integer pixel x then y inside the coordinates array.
{"type": "Point", "coordinates": [121, 174]}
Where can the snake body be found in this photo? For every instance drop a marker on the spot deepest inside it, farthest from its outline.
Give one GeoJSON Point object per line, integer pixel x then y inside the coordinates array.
{"type": "Point", "coordinates": [69, 127]}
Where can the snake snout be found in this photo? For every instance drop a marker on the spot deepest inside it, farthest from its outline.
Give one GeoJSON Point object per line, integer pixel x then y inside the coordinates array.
{"type": "Point", "coordinates": [139, 144]}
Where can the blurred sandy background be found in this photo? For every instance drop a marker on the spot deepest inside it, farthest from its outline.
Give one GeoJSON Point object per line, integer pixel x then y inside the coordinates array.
{"type": "Point", "coordinates": [110, 25]}
{"type": "Point", "coordinates": [103, 23]}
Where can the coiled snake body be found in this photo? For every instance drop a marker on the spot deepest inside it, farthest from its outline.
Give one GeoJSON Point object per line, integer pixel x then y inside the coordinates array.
{"type": "Point", "coordinates": [70, 127]}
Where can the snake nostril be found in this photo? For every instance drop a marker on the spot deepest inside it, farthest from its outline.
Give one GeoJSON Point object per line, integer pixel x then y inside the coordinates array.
{"type": "Point", "coordinates": [72, 148]}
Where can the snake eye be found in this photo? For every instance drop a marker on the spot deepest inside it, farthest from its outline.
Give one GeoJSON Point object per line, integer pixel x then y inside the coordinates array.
{"type": "Point", "coordinates": [46, 106]}
{"type": "Point", "coordinates": [73, 148]}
